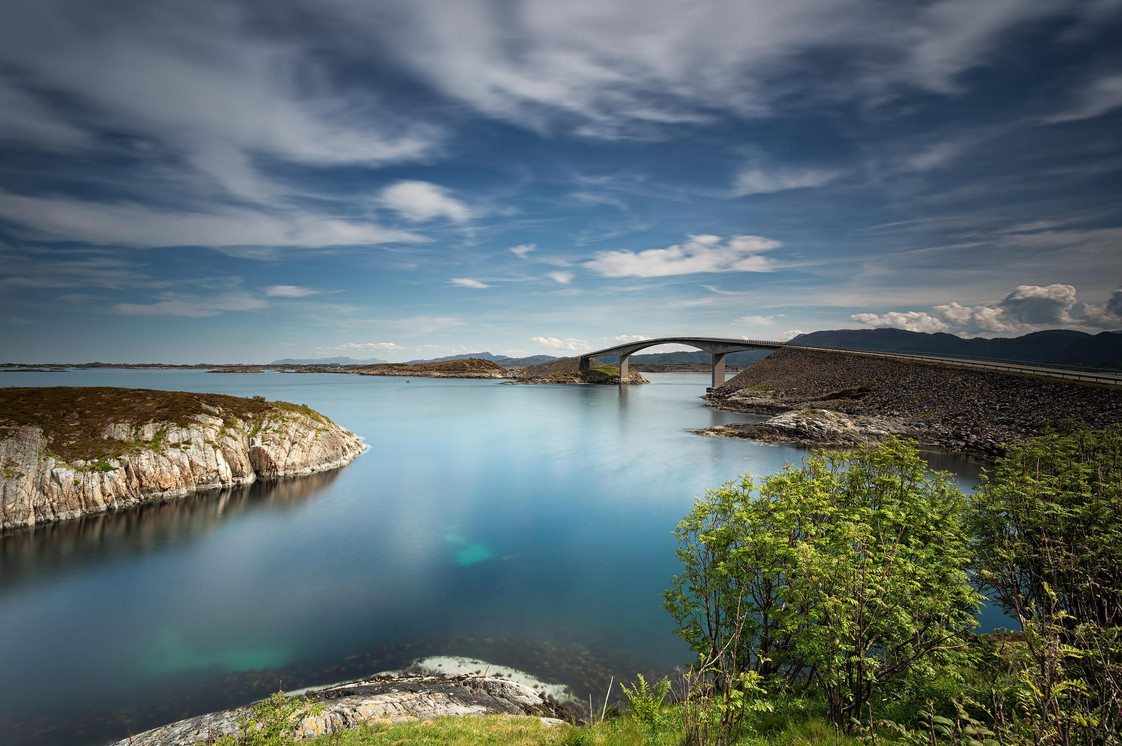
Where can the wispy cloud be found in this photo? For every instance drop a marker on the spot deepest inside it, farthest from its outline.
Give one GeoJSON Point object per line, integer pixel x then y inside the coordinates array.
{"type": "Point", "coordinates": [521, 250]}
{"type": "Point", "coordinates": [563, 278]}
{"type": "Point", "coordinates": [555, 343]}
{"type": "Point", "coordinates": [701, 254]}
{"type": "Point", "coordinates": [193, 306]}
{"type": "Point", "coordinates": [289, 291]}
{"type": "Point", "coordinates": [1100, 96]}
{"type": "Point", "coordinates": [762, 181]}
{"type": "Point", "coordinates": [138, 225]}
{"type": "Point", "coordinates": [467, 282]}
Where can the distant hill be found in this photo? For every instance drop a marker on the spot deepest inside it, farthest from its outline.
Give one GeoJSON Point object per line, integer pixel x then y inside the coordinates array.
{"type": "Point", "coordinates": [1054, 346]}
{"type": "Point", "coordinates": [340, 360]}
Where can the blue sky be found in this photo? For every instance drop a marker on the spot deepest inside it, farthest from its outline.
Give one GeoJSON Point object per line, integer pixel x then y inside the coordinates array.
{"type": "Point", "coordinates": [245, 181]}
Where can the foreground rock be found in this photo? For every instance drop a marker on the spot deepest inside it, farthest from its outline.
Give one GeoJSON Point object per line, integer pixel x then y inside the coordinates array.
{"type": "Point", "coordinates": [395, 697]}
{"type": "Point", "coordinates": [69, 452]}
{"type": "Point", "coordinates": [837, 399]}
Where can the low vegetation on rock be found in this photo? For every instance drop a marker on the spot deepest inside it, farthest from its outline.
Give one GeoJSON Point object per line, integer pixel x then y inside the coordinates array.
{"type": "Point", "coordinates": [69, 452]}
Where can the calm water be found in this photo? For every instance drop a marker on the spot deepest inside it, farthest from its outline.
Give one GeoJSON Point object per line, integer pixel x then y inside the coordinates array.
{"type": "Point", "coordinates": [530, 525]}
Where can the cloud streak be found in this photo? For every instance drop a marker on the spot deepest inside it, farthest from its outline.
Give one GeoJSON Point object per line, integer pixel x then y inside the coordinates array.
{"type": "Point", "coordinates": [700, 254]}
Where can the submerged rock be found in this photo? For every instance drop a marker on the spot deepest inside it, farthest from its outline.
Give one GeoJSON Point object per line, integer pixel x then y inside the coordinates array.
{"type": "Point", "coordinates": [66, 453]}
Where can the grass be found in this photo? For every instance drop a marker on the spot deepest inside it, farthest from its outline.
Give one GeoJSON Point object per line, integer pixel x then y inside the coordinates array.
{"type": "Point", "coordinates": [795, 723]}
{"type": "Point", "coordinates": [73, 419]}
{"type": "Point", "coordinates": [592, 375]}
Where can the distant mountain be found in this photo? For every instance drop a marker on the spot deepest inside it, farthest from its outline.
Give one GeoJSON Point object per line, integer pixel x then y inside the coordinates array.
{"type": "Point", "coordinates": [1053, 346]}
{"type": "Point", "coordinates": [326, 361]}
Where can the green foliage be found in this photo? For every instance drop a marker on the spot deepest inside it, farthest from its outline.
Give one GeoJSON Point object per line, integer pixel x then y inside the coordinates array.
{"type": "Point", "coordinates": [271, 722]}
{"type": "Point", "coordinates": [646, 703]}
{"type": "Point", "coordinates": [258, 397]}
{"type": "Point", "coordinates": [849, 571]}
{"type": "Point", "coordinates": [1048, 521]}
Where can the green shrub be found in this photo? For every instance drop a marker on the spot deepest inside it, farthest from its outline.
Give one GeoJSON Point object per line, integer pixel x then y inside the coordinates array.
{"type": "Point", "coordinates": [849, 571]}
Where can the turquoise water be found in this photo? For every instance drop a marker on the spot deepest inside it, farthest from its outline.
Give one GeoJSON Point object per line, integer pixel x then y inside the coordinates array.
{"type": "Point", "coordinates": [508, 518]}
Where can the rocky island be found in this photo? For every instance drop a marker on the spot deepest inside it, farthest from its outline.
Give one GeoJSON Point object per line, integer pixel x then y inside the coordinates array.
{"type": "Point", "coordinates": [829, 398]}
{"type": "Point", "coordinates": [68, 452]}
{"type": "Point", "coordinates": [567, 371]}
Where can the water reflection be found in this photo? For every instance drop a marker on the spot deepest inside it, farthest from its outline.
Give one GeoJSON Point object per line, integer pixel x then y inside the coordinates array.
{"type": "Point", "coordinates": [40, 550]}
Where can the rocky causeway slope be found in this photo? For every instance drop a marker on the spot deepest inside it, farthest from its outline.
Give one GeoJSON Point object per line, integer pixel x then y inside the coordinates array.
{"type": "Point", "coordinates": [69, 452]}
{"type": "Point", "coordinates": [837, 399]}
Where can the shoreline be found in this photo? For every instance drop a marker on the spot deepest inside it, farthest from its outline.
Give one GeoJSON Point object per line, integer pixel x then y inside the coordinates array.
{"type": "Point", "coordinates": [832, 399]}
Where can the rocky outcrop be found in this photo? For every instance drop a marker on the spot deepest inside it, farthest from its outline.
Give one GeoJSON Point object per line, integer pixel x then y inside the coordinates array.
{"type": "Point", "coordinates": [834, 398]}
{"type": "Point", "coordinates": [384, 698]}
{"type": "Point", "coordinates": [813, 427]}
{"type": "Point", "coordinates": [567, 371]}
{"type": "Point", "coordinates": [65, 453]}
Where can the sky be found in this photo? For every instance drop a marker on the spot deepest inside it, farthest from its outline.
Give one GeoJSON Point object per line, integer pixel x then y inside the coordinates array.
{"type": "Point", "coordinates": [222, 181]}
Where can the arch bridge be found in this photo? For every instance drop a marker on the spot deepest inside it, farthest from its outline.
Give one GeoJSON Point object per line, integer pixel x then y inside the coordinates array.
{"type": "Point", "coordinates": [715, 346]}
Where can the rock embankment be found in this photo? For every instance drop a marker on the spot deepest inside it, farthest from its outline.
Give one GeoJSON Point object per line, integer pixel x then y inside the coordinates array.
{"type": "Point", "coordinates": [69, 452]}
{"type": "Point", "coordinates": [836, 399]}
{"type": "Point", "coordinates": [384, 698]}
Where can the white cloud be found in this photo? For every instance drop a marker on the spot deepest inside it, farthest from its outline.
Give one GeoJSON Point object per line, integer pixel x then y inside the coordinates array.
{"type": "Point", "coordinates": [913, 321]}
{"type": "Point", "coordinates": [756, 320]}
{"type": "Point", "coordinates": [206, 81]}
{"type": "Point", "coordinates": [625, 338]}
{"type": "Point", "coordinates": [193, 306]}
{"type": "Point", "coordinates": [1097, 98]}
{"type": "Point", "coordinates": [365, 347]}
{"type": "Point", "coordinates": [1108, 315]}
{"type": "Point", "coordinates": [554, 343]}
{"type": "Point", "coordinates": [633, 68]}
{"type": "Point", "coordinates": [789, 334]}
{"type": "Point", "coordinates": [467, 282]}
{"type": "Point", "coordinates": [419, 201]}
{"type": "Point", "coordinates": [131, 224]}
{"type": "Point", "coordinates": [1027, 308]}
{"type": "Point", "coordinates": [521, 250]}
{"type": "Point", "coordinates": [562, 277]}
{"type": "Point", "coordinates": [702, 253]}
{"type": "Point", "coordinates": [289, 291]}
{"type": "Point", "coordinates": [760, 181]}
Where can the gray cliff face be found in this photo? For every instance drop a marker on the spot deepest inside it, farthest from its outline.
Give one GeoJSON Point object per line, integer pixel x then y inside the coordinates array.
{"type": "Point", "coordinates": [38, 487]}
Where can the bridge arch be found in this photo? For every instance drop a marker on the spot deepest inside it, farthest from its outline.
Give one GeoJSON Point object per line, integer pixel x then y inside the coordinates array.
{"type": "Point", "coordinates": [718, 347]}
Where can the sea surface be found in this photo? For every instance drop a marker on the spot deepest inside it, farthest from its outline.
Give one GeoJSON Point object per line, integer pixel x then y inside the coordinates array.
{"type": "Point", "coordinates": [525, 525]}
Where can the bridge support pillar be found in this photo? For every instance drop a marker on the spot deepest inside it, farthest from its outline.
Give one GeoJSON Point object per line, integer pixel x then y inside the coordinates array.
{"type": "Point", "coordinates": [718, 368]}
{"type": "Point", "coordinates": [623, 361]}
{"type": "Point", "coordinates": [583, 364]}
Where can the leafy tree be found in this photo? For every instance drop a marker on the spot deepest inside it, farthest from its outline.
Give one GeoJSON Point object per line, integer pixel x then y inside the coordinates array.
{"type": "Point", "coordinates": [849, 571]}
{"type": "Point", "coordinates": [1048, 522]}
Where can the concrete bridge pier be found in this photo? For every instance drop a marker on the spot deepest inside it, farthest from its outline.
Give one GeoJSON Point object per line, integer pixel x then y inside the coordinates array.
{"type": "Point", "coordinates": [718, 368]}
{"type": "Point", "coordinates": [584, 363]}
{"type": "Point", "coordinates": [623, 361]}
